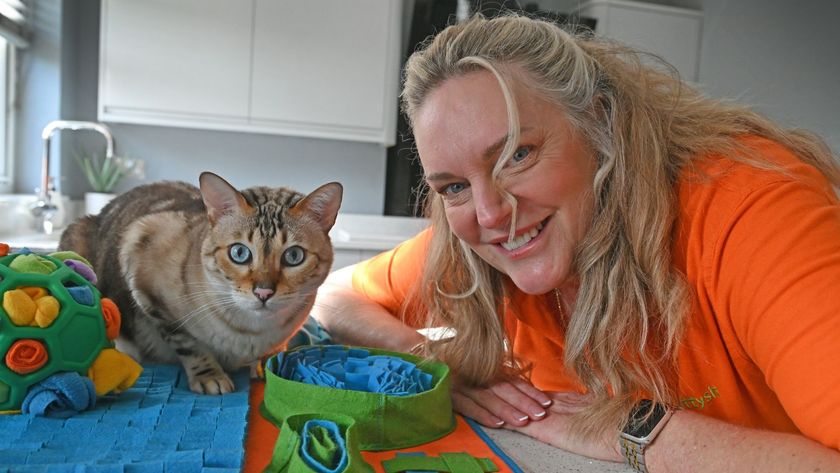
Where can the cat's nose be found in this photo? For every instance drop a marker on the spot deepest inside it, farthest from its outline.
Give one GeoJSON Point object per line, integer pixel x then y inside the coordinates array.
{"type": "Point", "coordinates": [263, 293]}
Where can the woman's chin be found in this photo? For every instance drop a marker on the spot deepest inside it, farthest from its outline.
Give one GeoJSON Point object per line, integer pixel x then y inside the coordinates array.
{"type": "Point", "coordinates": [533, 286]}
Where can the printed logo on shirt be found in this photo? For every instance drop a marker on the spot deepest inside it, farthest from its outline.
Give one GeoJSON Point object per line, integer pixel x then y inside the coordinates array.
{"type": "Point", "coordinates": [700, 401]}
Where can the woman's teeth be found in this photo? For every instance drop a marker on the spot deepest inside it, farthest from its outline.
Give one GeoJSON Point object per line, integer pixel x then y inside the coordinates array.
{"type": "Point", "coordinates": [522, 239]}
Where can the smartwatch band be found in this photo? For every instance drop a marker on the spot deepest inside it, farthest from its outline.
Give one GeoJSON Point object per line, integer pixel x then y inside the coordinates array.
{"type": "Point", "coordinates": [634, 454]}
{"type": "Point", "coordinates": [645, 422]}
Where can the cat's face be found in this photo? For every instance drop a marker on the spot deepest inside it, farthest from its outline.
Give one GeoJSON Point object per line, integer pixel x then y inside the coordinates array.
{"type": "Point", "coordinates": [270, 246]}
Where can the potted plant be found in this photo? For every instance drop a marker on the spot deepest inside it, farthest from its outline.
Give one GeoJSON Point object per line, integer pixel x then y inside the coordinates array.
{"type": "Point", "coordinates": [104, 174]}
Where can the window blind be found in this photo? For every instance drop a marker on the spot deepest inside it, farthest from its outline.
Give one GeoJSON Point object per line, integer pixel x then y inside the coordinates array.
{"type": "Point", "coordinates": [13, 22]}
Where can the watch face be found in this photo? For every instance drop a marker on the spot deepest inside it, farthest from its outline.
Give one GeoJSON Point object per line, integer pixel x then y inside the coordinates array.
{"type": "Point", "coordinates": [643, 419]}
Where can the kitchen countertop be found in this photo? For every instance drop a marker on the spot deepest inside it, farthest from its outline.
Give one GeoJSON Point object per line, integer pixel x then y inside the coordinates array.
{"type": "Point", "coordinates": [373, 232]}
{"type": "Point", "coordinates": [351, 231]}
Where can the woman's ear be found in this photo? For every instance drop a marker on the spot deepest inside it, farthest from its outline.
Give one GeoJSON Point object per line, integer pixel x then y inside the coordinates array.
{"type": "Point", "coordinates": [220, 197]}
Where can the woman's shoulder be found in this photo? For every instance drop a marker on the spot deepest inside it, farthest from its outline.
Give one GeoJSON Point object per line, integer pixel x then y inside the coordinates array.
{"type": "Point", "coordinates": [754, 189]}
{"type": "Point", "coordinates": [756, 162]}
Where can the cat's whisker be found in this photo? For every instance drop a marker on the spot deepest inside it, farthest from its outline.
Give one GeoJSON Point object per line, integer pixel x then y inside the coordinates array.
{"type": "Point", "coordinates": [324, 305]}
{"type": "Point", "coordinates": [195, 296]}
{"type": "Point", "coordinates": [203, 311]}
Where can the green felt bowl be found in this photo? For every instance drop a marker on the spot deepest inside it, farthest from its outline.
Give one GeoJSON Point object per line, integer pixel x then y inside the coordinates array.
{"type": "Point", "coordinates": [383, 422]}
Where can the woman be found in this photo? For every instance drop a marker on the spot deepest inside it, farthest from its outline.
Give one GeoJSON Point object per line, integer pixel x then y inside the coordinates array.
{"type": "Point", "coordinates": [603, 235]}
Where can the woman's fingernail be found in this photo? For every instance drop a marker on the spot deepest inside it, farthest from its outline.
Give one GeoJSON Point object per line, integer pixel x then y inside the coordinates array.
{"type": "Point", "coordinates": [499, 423]}
{"type": "Point", "coordinates": [546, 403]}
{"type": "Point", "coordinates": [522, 419]}
{"type": "Point", "coordinates": [539, 414]}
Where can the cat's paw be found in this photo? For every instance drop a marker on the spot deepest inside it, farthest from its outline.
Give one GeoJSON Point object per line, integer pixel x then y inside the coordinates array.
{"type": "Point", "coordinates": [212, 382]}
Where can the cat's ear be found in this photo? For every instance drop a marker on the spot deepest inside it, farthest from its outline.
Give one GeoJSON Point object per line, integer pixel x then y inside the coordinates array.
{"type": "Point", "coordinates": [323, 203]}
{"type": "Point", "coordinates": [220, 197]}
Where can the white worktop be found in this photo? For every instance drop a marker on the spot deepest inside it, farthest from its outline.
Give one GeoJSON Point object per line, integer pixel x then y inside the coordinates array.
{"type": "Point", "coordinates": [373, 232]}
{"type": "Point", "coordinates": [351, 231]}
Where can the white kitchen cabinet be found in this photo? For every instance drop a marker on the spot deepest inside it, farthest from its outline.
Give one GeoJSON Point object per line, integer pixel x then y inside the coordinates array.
{"type": "Point", "coordinates": [327, 67]}
{"type": "Point", "coordinates": [315, 68]}
{"type": "Point", "coordinates": [672, 33]}
{"type": "Point", "coordinates": [166, 62]}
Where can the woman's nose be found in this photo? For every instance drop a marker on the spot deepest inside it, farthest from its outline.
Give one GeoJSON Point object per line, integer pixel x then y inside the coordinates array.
{"type": "Point", "coordinates": [492, 210]}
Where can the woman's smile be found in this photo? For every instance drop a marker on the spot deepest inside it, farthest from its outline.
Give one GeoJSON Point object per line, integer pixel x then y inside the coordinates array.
{"type": "Point", "coordinates": [523, 241]}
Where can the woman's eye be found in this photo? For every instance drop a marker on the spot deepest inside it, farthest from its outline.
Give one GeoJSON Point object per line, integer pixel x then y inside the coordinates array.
{"type": "Point", "coordinates": [239, 253]}
{"type": "Point", "coordinates": [520, 154]}
{"type": "Point", "coordinates": [293, 256]}
{"type": "Point", "coordinates": [453, 189]}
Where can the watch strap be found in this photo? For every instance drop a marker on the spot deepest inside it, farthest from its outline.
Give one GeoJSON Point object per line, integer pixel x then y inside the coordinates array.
{"type": "Point", "coordinates": [634, 453]}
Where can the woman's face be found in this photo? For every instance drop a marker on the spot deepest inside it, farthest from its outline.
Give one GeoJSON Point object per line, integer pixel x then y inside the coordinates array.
{"type": "Point", "coordinates": [460, 131]}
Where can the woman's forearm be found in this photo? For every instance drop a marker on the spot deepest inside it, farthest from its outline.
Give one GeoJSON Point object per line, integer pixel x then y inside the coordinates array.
{"type": "Point", "coordinates": [692, 442]}
{"type": "Point", "coordinates": [352, 319]}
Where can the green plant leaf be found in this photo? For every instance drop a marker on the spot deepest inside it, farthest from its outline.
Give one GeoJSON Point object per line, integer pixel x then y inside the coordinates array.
{"type": "Point", "coordinates": [102, 174]}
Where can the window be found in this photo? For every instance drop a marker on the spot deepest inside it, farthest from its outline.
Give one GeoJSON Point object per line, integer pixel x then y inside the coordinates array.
{"type": "Point", "coordinates": [6, 117]}
{"type": "Point", "coordinates": [14, 34]}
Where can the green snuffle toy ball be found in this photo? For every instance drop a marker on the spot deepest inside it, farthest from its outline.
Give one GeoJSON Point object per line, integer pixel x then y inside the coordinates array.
{"type": "Point", "coordinates": [53, 321]}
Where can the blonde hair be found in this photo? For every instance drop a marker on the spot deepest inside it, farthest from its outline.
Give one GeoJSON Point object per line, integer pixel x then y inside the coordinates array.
{"type": "Point", "coordinates": [645, 127]}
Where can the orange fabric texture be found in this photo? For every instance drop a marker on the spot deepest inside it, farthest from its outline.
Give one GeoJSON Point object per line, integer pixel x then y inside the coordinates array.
{"type": "Point", "coordinates": [761, 251]}
{"type": "Point", "coordinates": [111, 314]}
{"type": "Point", "coordinates": [259, 443]}
{"type": "Point", "coordinates": [26, 355]}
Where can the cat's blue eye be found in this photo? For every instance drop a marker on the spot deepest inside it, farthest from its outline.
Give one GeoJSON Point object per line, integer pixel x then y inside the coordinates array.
{"type": "Point", "coordinates": [239, 253]}
{"type": "Point", "coordinates": [293, 256]}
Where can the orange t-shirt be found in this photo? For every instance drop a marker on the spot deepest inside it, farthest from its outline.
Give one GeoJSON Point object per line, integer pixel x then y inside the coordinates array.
{"type": "Point", "coordinates": [761, 251]}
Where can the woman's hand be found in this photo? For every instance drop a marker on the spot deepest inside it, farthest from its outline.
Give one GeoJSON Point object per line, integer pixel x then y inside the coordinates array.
{"type": "Point", "coordinates": [513, 402]}
{"type": "Point", "coordinates": [555, 429]}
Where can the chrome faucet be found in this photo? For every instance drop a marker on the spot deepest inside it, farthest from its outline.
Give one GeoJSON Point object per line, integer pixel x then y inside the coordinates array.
{"type": "Point", "coordinates": [44, 208]}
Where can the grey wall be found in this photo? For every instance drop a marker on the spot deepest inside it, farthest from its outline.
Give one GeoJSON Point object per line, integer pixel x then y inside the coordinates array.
{"type": "Point", "coordinates": [565, 6]}
{"type": "Point", "coordinates": [61, 82]}
{"type": "Point", "coordinates": [779, 56]}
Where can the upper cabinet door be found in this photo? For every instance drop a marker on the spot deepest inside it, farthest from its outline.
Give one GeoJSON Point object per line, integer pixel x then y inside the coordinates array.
{"type": "Point", "coordinates": [315, 68]}
{"type": "Point", "coordinates": [672, 33]}
{"type": "Point", "coordinates": [327, 67]}
{"type": "Point", "coordinates": [175, 60]}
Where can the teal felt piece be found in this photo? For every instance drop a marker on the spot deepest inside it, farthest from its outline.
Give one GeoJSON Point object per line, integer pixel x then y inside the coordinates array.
{"type": "Point", "coordinates": [413, 407]}
{"type": "Point", "coordinates": [355, 369]}
{"type": "Point", "coordinates": [323, 447]}
{"type": "Point", "coordinates": [321, 443]}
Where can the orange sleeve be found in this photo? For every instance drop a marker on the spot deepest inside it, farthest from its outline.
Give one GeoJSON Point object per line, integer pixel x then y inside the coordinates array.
{"type": "Point", "coordinates": [389, 277]}
{"type": "Point", "coordinates": [776, 273]}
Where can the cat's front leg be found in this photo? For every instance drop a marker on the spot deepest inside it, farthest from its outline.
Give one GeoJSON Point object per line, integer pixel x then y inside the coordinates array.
{"type": "Point", "coordinates": [204, 373]}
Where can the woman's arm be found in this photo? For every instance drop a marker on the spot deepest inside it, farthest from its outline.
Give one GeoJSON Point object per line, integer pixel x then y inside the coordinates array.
{"type": "Point", "coordinates": [353, 319]}
{"type": "Point", "coordinates": [694, 442]}
{"type": "Point", "coordinates": [691, 442]}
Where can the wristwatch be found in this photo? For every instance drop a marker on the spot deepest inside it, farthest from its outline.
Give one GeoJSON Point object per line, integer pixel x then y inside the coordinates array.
{"type": "Point", "coordinates": [646, 420]}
